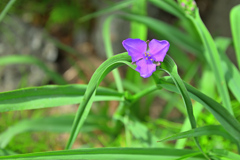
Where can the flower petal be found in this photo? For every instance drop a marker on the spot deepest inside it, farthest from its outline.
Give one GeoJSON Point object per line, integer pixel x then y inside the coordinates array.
{"type": "Point", "coordinates": [135, 48]}
{"type": "Point", "coordinates": [145, 69]}
{"type": "Point", "coordinates": [158, 49]}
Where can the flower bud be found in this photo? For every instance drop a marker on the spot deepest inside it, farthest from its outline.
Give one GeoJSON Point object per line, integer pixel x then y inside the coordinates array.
{"type": "Point", "coordinates": [189, 6]}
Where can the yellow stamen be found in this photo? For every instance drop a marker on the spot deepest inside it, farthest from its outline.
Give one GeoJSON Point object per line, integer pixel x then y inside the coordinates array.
{"type": "Point", "coordinates": [149, 55]}
{"type": "Point", "coordinates": [146, 58]}
{"type": "Point", "coordinates": [151, 59]}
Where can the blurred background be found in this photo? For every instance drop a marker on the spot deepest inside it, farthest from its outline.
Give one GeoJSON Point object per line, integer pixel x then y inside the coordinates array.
{"type": "Point", "coordinates": [52, 32]}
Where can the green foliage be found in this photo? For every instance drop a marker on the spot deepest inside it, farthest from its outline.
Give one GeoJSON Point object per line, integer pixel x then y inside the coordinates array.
{"type": "Point", "coordinates": [208, 116]}
{"type": "Point", "coordinates": [63, 13]}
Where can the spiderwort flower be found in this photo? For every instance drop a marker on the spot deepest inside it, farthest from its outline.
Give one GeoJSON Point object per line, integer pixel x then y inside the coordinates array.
{"type": "Point", "coordinates": [146, 55]}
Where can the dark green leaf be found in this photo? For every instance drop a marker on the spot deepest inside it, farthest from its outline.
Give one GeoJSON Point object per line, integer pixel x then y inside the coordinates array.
{"type": "Point", "coordinates": [112, 154]}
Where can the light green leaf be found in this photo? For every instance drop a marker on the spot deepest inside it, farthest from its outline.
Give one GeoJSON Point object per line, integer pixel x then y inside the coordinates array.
{"type": "Point", "coordinates": [235, 25]}
{"type": "Point", "coordinates": [213, 58]}
{"type": "Point", "coordinates": [109, 50]}
{"type": "Point", "coordinates": [224, 154]}
{"type": "Point", "coordinates": [137, 30]}
{"type": "Point", "coordinates": [201, 131]}
{"type": "Point", "coordinates": [231, 73]}
{"type": "Point", "coordinates": [5, 152]}
{"type": "Point", "coordinates": [6, 9]}
{"type": "Point", "coordinates": [51, 96]}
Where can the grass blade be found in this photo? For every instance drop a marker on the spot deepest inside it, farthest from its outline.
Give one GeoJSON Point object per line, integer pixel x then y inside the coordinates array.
{"type": "Point", "coordinates": [85, 106]}
{"type": "Point", "coordinates": [213, 58]}
{"type": "Point", "coordinates": [114, 7]}
{"type": "Point", "coordinates": [60, 124]}
{"type": "Point", "coordinates": [173, 8]}
{"type": "Point", "coordinates": [205, 88]}
{"type": "Point", "coordinates": [109, 50]}
{"type": "Point", "coordinates": [137, 30]}
{"type": "Point", "coordinates": [27, 59]}
{"type": "Point", "coordinates": [235, 25]}
{"type": "Point", "coordinates": [231, 72]}
{"type": "Point", "coordinates": [200, 131]}
{"type": "Point", "coordinates": [111, 154]}
{"type": "Point", "coordinates": [51, 96]}
{"type": "Point", "coordinates": [224, 154]}
{"type": "Point", "coordinates": [229, 123]}
{"type": "Point", "coordinates": [170, 7]}
{"type": "Point", "coordinates": [169, 66]}
{"type": "Point", "coordinates": [5, 10]}
{"type": "Point", "coordinates": [168, 32]}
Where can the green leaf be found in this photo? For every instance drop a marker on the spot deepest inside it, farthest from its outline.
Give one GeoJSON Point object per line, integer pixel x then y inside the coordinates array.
{"type": "Point", "coordinates": [169, 66]}
{"type": "Point", "coordinates": [27, 59]}
{"type": "Point", "coordinates": [213, 58]}
{"type": "Point", "coordinates": [229, 123]}
{"type": "Point", "coordinates": [6, 9]}
{"type": "Point", "coordinates": [224, 154]}
{"type": "Point", "coordinates": [4, 152]}
{"type": "Point", "coordinates": [88, 98]}
{"type": "Point", "coordinates": [114, 7]}
{"type": "Point", "coordinates": [141, 132]}
{"type": "Point", "coordinates": [205, 88]}
{"type": "Point", "coordinates": [109, 50]}
{"type": "Point", "coordinates": [235, 25]}
{"type": "Point", "coordinates": [170, 7]}
{"type": "Point", "coordinates": [137, 30]}
{"type": "Point", "coordinates": [231, 72]}
{"type": "Point", "coordinates": [71, 12]}
{"type": "Point", "coordinates": [51, 96]}
{"type": "Point", "coordinates": [57, 124]}
{"type": "Point", "coordinates": [168, 32]}
{"type": "Point", "coordinates": [173, 8]}
{"type": "Point", "coordinates": [200, 131]}
{"type": "Point", "coordinates": [112, 154]}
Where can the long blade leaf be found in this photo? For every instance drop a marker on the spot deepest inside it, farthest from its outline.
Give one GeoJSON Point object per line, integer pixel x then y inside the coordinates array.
{"type": "Point", "coordinates": [200, 131]}
{"type": "Point", "coordinates": [235, 25]}
{"type": "Point", "coordinates": [213, 58]}
{"type": "Point", "coordinates": [51, 96]}
{"type": "Point", "coordinates": [170, 67]}
{"type": "Point", "coordinates": [231, 73]}
{"type": "Point", "coordinates": [111, 154]}
{"type": "Point", "coordinates": [87, 101]}
{"type": "Point", "coordinates": [229, 123]}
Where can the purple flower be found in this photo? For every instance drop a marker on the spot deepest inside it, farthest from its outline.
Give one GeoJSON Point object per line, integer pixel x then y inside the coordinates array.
{"type": "Point", "coordinates": [146, 55]}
